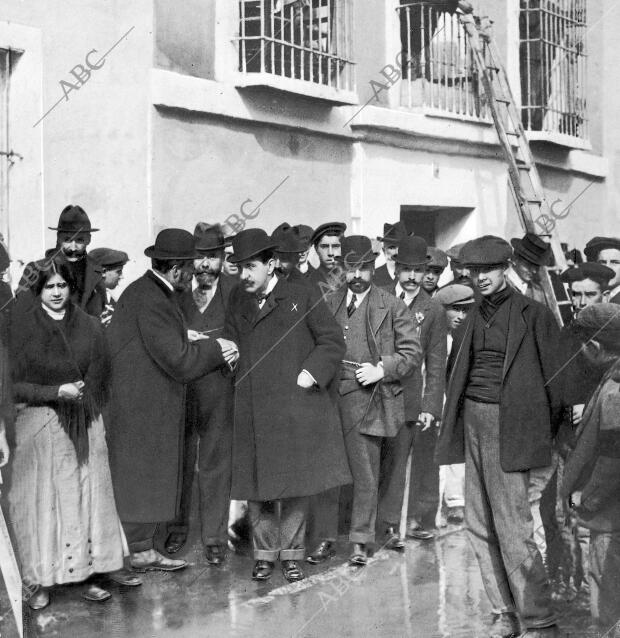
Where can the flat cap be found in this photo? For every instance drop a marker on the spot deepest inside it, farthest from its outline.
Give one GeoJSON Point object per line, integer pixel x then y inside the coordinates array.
{"type": "Point", "coordinates": [600, 321]}
{"type": "Point", "coordinates": [454, 252]}
{"type": "Point", "coordinates": [330, 228]}
{"type": "Point", "coordinates": [487, 250]}
{"type": "Point", "coordinates": [455, 295]}
{"type": "Point", "coordinates": [439, 259]}
{"type": "Point", "coordinates": [588, 270]}
{"type": "Point", "coordinates": [596, 244]}
{"type": "Point", "coordinates": [108, 257]}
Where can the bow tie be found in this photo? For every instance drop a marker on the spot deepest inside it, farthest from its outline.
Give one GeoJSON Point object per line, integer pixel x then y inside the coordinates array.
{"type": "Point", "coordinates": [261, 296]}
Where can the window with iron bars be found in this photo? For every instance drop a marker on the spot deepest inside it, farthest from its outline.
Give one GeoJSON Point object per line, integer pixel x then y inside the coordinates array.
{"type": "Point", "coordinates": [553, 66]}
{"type": "Point", "coordinates": [439, 71]}
{"type": "Point", "coordinates": [307, 40]}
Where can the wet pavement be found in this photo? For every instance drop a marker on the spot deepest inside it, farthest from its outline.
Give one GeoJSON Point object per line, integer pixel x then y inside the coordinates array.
{"type": "Point", "coordinates": [431, 590]}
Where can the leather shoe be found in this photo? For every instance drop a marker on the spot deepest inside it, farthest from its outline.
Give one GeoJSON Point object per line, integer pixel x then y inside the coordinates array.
{"type": "Point", "coordinates": [175, 542]}
{"type": "Point", "coordinates": [324, 551]}
{"type": "Point", "coordinates": [393, 540]}
{"type": "Point", "coordinates": [262, 570]}
{"type": "Point", "coordinates": [158, 563]}
{"type": "Point", "coordinates": [359, 557]}
{"type": "Point", "coordinates": [125, 577]}
{"type": "Point", "coordinates": [40, 599]}
{"type": "Point", "coordinates": [505, 625]}
{"type": "Point", "coordinates": [215, 555]}
{"type": "Point", "coordinates": [419, 533]}
{"type": "Point", "coordinates": [292, 571]}
{"type": "Point", "coordinates": [96, 594]}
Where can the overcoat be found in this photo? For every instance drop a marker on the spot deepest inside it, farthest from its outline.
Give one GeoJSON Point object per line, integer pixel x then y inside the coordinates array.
{"type": "Point", "coordinates": [530, 395]}
{"type": "Point", "coordinates": [287, 441]}
{"type": "Point", "coordinates": [392, 339]}
{"type": "Point", "coordinates": [152, 360]}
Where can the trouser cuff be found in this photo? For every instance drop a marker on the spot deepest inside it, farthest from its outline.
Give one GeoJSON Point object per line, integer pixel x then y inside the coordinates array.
{"type": "Point", "coordinates": [266, 554]}
{"type": "Point", "coordinates": [292, 554]}
{"type": "Point", "coordinates": [361, 538]}
{"type": "Point", "coordinates": [141, 546]}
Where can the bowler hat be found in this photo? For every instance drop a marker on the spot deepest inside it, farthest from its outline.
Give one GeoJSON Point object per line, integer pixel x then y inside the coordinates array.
{"type": "Point", "coordinates": [209, 237]}
{"type": "Point", "coordinates": [73, 219]}
{"type": "Point", "coordinates": [394, 233]}
{"type": "Point", "coordinates": [288, 240]}
{"type": "Point", "coordinates": [596, 244]}
{"type": "Point", "coordinates": [487, 250]}
{"type": "Point", "coordinates": [330, 228]}
{"type": "Point", "coordinates": [412, 251]}
{"type": "Point", "coordinates": [357, 251]}
{"type": "Point", "coordinates": [455, 295]}
{"type": "Point", "coordinates": [172, 244]}
{"type": "Point", "coordinates": [439, 259]}
{"type": "Point", "coordinates": [589, 270]}
{"type": "Point", "coordinates": [108, 257]}
{"type": "Point", "coordinates": [249, 243]}
{"type": "Point", "coordinates": [532, 248]}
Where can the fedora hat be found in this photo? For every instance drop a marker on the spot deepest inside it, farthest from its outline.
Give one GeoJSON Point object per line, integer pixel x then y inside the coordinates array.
{"type": "Point", "coordinates": [412, 251]}
{"type": "Point", "coordinates": [357, 251]}
{"type": "Point", "coordinates": [73, 219]}
{"type": "Point", "coordinates": [394, 233]}
{"type": "Point", "coordinates": [532, 248]}
{"type": "Point", "coordinates": [305, 233]}
{"type": "Point", "coordinates": [249, 243]}
{"type": "Point", "coordinates": [288, 240]}
{"type": "Point", "coordinates": [173, 243]}
{"type": "Point", "coordinates": [209, 237]}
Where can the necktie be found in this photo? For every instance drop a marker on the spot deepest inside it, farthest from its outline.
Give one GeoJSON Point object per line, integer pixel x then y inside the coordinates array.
{"type": "Point", "coordinates": [351, 306]}
{"type": "Point", "coordinates": [260, 298]}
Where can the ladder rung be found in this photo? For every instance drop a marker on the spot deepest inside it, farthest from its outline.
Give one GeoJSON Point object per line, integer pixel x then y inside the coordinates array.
{"type": "Point", "coordinates": [505, 100]}
{"type": "Point", "coordinates": [521, 165]}
{"type": "Point", "coordinates": [534, 201]}
{"type": "Point", "coordinates": [493, 68]}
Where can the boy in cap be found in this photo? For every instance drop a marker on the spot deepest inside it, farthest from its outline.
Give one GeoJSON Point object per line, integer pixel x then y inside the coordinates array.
{"type": "Point", "coordinates": [588, 284]}
{"type": "Point", "coordinates": [591, 479]}
{"type": "Point", "coordinates": [606, 251]}
{"type": "Point", "coordinates": [499, 417]}
{"type": "Point", "coordinates": [111, 263]}
{"type": "Point", "coordinates": [327, 242]}
{"type": "Point", "coordinates": [393, 234]}
{"type": "Point", "coordinates": [434, 269]}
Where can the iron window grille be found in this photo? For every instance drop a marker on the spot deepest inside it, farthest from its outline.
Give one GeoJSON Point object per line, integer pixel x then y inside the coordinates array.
{"type": "Point", "coordinates": [553, 66]}
{"type": "Point", "coordinates": [308, 40]}
{"type": "Point", "coordinates": [438, 70]}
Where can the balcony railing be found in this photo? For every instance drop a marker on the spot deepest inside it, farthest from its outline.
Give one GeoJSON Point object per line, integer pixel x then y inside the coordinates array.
{"type": "Point", "coordinates": [307, 40]}
{"type": "Point", "coordinates": [439, 71]}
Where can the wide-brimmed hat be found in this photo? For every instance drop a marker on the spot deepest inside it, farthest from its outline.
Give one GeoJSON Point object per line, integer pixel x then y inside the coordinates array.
{"type": "Point", "coordinates": [209, 237]}
{"type": "Point", "coordinates": [394, 233]}
{"type": "Point", "coordinates": [357, 251]}
{"type": "Point", "coordinates": [288, 240]}
{"type": "Point", "coordinates": [596, 244]}
{"type": "Point", "coordinates": [454, 294]}
{"type": "Point", "coordinates": [73, 219]}
{"type": "Point", "coordinates": [589, 270]}
{"type": "Point", "coordinates": [249, 243]}
{"type": "Point", "coordinates": [487, 250]}
{"type": "Point", "coordinates": [412, 251]}
{"type": "Point", "coordinates": [108, 257]}
{"type": "Point", "coordinates": [173, 243]}
{"type": "Point", "coordinates": [532, 248]}
{"type": "Point", "coordinates": [330, 228]}
{"type": "Point", "coordinates": [439, 259]}
{"type": "Point", "coordinates": [305, 233]}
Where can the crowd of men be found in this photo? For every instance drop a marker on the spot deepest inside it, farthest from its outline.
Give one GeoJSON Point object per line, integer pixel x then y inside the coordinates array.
{"type": "Point", "coordinates": [339, 374]}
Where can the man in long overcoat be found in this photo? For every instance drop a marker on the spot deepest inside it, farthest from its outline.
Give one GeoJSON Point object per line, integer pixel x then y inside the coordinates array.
{"type": "Point", "coordinates": [500, 413]}
{"type": "Point", "coordinates": [152, 360]}
{"type": "Point", "coordinates": [287, 442]}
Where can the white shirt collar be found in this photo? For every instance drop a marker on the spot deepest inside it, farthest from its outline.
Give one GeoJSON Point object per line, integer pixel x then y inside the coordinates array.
{"type": "Point", "coordinates": [409, 296]}
{"type": "Point", "coordinates": [303, 267]}
{"type": "Point", "coordinates": [391, 268]}
{"type": "Point", "coordinates": [360, 296]}
{"type": "Point", "coordinates": [614, 291]}
{"type": "Point", "coordinates": [162, 278]}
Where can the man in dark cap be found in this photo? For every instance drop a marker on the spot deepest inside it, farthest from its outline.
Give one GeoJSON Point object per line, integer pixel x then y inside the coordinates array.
{"type": "Point", "coordinates": [73, 234]}
{"type": "Point", "coordinates": [606, 251]}
{"type": "Point", "coordinates": [305, 235]}
{"type": "Point", "coordinates": [531, 253]}
{"type": "Point", "coordinates": [588, 284]}
{"type": "Point", "coordinates": [457, 267]}
{"type": "Point", "coordinates": [500, 415]}
{"type": "Point", "coordinates": [423, 394]}
{"type": "Point", "coordinates": [289, 248]}
{"type": "Point", "coordinates": [152, 361]}
{"type": "Point", "coordinates": [208, 417]}
{"type": "Point", "coordinates": [287, 440]}
{"type": "Point", "coordinates": [111, 263]}
{"type": "Point", "coordinates": [434, 269]}
{"type": "Point", "coordinates": [382, 349]}
{"type": "Point", "coordinates": [327, 242]}
{"type": "Point", "coordinates": [591, 478]}
{"type": "Point", "coordinates": [393, 234]}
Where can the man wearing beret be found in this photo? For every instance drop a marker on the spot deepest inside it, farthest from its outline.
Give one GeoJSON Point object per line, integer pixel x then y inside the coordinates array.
{"type": "Point", "coordinates": [152, 361]}
{"type": "Point", "coordinates": [393, 234]}
{"type": "Point", "coordinates": [327, 242]}
{"type": "Point", "coordinates": [606, 251]}
{"type": "Point", "coordinates": [289, 247]}
{"type": "Point", "coordinates": [588, 284]}
{"type": "Point", "coordinates": [287, 439]}
{"type": "Point", "coordinates": [500, 414]}
{"type": "Point", "coordinates": [456, 266]}
{"type": "Point", "coordinates": [73, 235]}
{"type": "Point", "coordinates": [382, 349]}
{"type": "Point", "coordinates": [434, 269]}
{"type": "Point", "coordinates": [531, 253]}
{"type": "Point", "coordinates": [111, 263]}
{"type": "Point", "coordinates": [208, 419]}
{"type": "Point", "coordinates": [423, 392]}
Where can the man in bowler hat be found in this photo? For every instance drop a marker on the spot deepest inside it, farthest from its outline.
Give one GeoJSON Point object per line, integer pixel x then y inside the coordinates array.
{"type": "Point", "coordinates": [500, 415]}
{"type": "Point", "coordinates": [423, 393]}
{"type": "Point", "coordinates": [152, 361]}
{"type": "Point", "coordinates": [111, 263]}
{"type": "Point", "coordinates": [73, 235]}
{"type": "Point", "coordinates": [287, 440]}
{"type": "Point", "coordinates": [290, 246]}
{"type": "Point", "coordinates": [393, 234]}
{"type": "Point", "coordinates": [208, 420]}
{"type": "Point", "coordinates": [382, 349]}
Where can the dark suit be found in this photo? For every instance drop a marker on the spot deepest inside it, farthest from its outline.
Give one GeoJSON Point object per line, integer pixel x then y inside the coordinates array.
{"type": "Point", "coordinates": [382, 277]}
{"type": "Point", "coordinates": [299, 278]}
{"type": "Point", "coordinates": [424, 392]}
{"type": "Point", "coordinates": [209, 422]}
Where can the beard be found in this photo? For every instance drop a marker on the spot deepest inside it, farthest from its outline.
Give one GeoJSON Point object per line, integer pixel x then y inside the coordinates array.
{"type": "Point", "coordinates": [358, 286]}
{"type": "Point", "coordinates": [206, 279]}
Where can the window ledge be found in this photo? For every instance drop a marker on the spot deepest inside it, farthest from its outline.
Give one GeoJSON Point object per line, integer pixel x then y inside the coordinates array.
{"type": "Point", "coordinates": [299, 87]}
{"type": "Point", "coordinates": [559, 139]}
